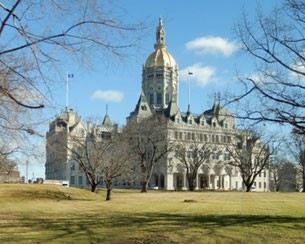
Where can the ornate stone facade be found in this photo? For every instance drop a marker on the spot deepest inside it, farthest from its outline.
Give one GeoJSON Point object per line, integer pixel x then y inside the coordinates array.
{"type": "Point", "coordinates": [216, 126]}
{"type": "Point", "coordinates": [160, 93]}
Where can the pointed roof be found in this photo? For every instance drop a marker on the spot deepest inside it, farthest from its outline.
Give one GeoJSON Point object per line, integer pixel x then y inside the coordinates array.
{"type": "Point", "coordinates": [107, 120]}
{"type": "Point", "coordinates": [219, 107]}
{"type": "Point", "coordinates": [214, 108]}
{"type": "Point", "coordinates": [172, 109]}
{"type": "Point", "coordinates": [189, 112]}
{"type": "Point", "coordinates": [142, 108]}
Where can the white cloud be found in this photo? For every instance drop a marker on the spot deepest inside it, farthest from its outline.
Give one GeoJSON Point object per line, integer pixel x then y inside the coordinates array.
{"type": "Point", "coordinates": [202, 75]}
{"type": "Point", "coordinates": [299, 67]}
{"type": "Point", "coordinates": [263, 77]}
{"type": "Point", "coordinates": [258, 78]}
{"type": "Point", "coordinates": [110, 95]}
{"type": "Point", "coordinates": [212, 45]}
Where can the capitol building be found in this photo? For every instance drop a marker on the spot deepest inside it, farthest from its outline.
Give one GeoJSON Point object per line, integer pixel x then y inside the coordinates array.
{"type": "Point", "coordinates": [160, 95]}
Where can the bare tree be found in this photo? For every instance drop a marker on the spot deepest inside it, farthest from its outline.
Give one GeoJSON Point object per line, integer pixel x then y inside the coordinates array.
{"type": "Point", "coordinates": [7, 164]}
{"type": "Point", "coordinates": [37, 37]}
{"type": "Point", "coordinates": [275, 91]}
{"type": "Point", "coordinates": [149, 143]}
{"type": "Point", "coordinates": [277, 175]}
{"type": "Point", "coordinates": [297, 149]}
{"type": "Point", "coordinates": [118, 163]}
{"type": "Point", "coordinates": [192, 156]}
{"type": "Point", "coordinates": [250, 155]}
{"type": "Point", "coordinates": [89, 153]}
{"type": "Point", "coordinates": [101, 159]}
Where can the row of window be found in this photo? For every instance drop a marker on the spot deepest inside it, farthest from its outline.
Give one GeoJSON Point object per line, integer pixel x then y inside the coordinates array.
{"type": "Point", "coordinates": [73, 180]}
{"type": "Point", "coordinates": [226, 156]}
{"type": "Point", "coordinates": [259, 185]}
{"type": "Point", "coordinates": [265, 174]}
{"type": "Point", "coordinates": [190, 121]}
{"type": "Point", "coordinates": [159, 98]}
{"type": "Point", "coordinates": [215, 155]}
{"type": "Point", "coordinates": [202, 137]}
{"type": "Point", "coordinates": [159, 75]}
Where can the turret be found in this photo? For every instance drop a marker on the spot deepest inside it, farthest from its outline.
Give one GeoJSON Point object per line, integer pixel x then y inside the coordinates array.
{"type": "Point", "coordinates": [107, 120]}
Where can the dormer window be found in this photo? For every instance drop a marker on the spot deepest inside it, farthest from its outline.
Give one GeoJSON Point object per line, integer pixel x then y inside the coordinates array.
{"type": "Point", "coordinates": [202, 123]}
{"type": "Point", "coordinates": [226, 125]}
{"type": "Point", "coordinates": [214, 124]}
{"type": "Point", "coordinates": [190, 121]}
{"type": "Point", "coordinates": [177, 120]}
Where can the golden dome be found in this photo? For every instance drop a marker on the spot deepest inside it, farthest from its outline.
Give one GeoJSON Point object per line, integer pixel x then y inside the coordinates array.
{"type": "Point", "coordinates": [160, 57]}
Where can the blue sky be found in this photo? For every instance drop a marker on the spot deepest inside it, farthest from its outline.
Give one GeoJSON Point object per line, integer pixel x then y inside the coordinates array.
{"type": "Point", "coordinates": [200, 36]}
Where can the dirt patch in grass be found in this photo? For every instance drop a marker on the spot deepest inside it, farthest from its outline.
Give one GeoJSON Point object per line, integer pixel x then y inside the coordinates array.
{"type": "Point", "coordinates": [147, 239]}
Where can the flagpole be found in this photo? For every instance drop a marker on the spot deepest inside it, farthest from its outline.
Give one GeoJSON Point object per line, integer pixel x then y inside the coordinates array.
{"type": "Point", "coordinates": [67, 92]}
{"type": "Point", "coordinates": [188, 73]}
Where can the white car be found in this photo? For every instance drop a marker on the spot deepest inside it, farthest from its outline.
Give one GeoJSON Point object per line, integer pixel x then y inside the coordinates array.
{"type": "Point", "coordinates": [154, 188]}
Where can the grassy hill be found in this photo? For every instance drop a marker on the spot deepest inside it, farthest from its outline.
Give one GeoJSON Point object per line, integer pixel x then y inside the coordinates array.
{"type": "Point", "coordinates": [54, 214]}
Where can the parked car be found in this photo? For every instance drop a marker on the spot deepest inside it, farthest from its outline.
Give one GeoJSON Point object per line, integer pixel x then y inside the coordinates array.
{"type": "Point", "coordinates": [153, 187]}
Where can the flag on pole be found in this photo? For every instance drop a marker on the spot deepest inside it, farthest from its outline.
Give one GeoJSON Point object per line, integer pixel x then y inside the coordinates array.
{"type": "Point", "coordinates": [70, 75]}
{"type": "Point", "coordinates": [190, 73]}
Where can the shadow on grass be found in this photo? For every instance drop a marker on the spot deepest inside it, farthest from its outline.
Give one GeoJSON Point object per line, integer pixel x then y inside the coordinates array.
{"type": "Point", "coordinates": [49, 195]}
{"type": "Point", "coordinates": [97, 228]}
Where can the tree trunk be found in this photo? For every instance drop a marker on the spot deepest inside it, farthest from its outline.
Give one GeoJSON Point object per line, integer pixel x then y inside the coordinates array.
{"type": "Point", "coordinates": [277, 188]}
{"type": "Point", "coordinates": [248, 185]}
{"type": "Point", "coordinates": [303, 179]}
{"type": "Point", "coordinates": [144, 186]}
{"type": "Point", "coordinates": [94, 188]}
{"type": "Point", "coordinates": [109, 191]}
{"type": "Point", "coordinates": [191, 183]}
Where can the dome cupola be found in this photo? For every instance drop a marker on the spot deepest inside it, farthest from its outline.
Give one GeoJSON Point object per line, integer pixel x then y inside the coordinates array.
{"type": "Point", "coordinates": [160, 57]}
{"type": "Point", "coordinates": [160, 75]}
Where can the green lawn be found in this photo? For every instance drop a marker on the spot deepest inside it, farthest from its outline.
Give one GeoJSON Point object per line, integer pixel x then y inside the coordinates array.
{"type": "Point", "coordinates": [55, 214]}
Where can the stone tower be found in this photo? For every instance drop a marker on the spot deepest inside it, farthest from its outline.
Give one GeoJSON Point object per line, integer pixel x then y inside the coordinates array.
{"type": "Point", "coordinates": [160, 76]}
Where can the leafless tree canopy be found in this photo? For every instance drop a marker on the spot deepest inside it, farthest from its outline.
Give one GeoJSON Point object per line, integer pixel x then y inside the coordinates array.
{"type": "Point", "coordinates": [192, 156]}
{"type": "Point", "coordinates": [250, 155]}
{"type": "Point", "coordinates": [283, 176]}
{"type": "Point", "coordinates": [101, 159]}
{"type": "Point", "coordinates": [37, 37]}
{"type": "Point", "coordinates": [149, 143]}
{"type": "Point", "coordinates": [297, 150]}
{"type": "Point", "coordinates": [6, 163]}
{"type": "Point", "coordinates": [276, 91]}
